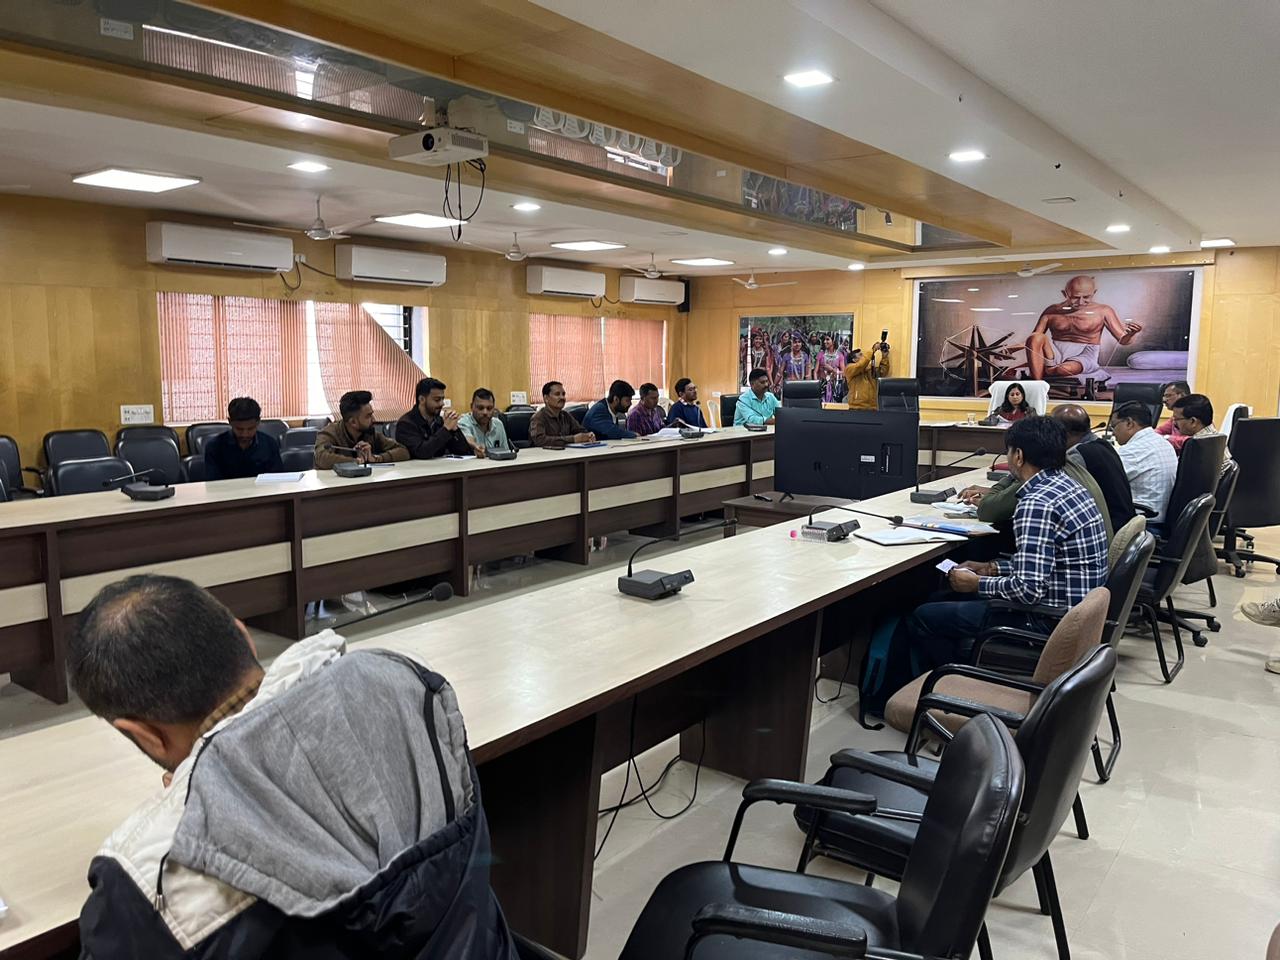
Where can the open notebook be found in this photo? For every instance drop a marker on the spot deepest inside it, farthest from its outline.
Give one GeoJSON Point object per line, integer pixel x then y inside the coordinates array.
{"type": "Point", "coordinates": [897, 536]}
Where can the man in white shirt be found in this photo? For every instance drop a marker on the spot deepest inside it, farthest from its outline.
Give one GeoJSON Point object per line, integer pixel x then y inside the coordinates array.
{"type": "Point", "coordinates": [1149, 459]}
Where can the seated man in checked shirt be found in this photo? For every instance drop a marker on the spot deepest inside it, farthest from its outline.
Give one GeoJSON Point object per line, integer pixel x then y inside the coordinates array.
{"type": "Point", "coordinates": [1061, 554]}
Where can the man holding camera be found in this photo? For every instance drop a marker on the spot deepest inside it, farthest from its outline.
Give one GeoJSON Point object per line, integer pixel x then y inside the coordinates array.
{"type": "Point", "coordinates": [862, 373]}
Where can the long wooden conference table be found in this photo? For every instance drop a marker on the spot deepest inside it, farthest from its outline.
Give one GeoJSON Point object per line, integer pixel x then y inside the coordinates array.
{"type": "Point", "coordinates": [557, 686]}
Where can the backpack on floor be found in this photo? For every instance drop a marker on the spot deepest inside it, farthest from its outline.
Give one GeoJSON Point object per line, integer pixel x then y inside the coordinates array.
{"type": "Point", "coordinates": [884, 667]}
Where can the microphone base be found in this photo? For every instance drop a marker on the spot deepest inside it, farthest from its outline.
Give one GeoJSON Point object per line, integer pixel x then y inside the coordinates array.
{"type": "Point", "coordinates": [932, 496]}
{"type": "Point", "coordinates": [653, 584]}
{"type": "Point", "coordinates": [829, 531]}
{"type": "Point", "coordinates": [352, 470]}
{"type": "Point", "coordinates": [146, 492]}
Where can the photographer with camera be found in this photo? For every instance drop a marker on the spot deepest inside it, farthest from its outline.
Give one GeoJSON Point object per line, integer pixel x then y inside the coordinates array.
{"type": "Point", "coordinates": [862, 373]}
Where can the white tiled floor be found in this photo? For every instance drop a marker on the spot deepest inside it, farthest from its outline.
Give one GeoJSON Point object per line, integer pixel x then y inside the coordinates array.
{"type": "Point", "coordinates": [1183, 861]}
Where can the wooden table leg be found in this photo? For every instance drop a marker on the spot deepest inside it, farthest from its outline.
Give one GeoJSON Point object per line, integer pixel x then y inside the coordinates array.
{"type": "Point", "coordinates": [542, 800]}
{"type": "Point", "coordinates": [758, 715]}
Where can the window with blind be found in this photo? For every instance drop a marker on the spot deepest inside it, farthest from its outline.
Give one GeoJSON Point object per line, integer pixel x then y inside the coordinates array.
{"type": "Point", "coordinates": [588, 353]}
{"type": "Point", "coordinates": [296, 358]}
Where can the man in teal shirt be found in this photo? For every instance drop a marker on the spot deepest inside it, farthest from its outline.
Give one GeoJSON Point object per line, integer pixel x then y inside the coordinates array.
{"type": "Point", "coordinates": [757, 404]}
{"type": "Point", "coordinates": [483, 430]}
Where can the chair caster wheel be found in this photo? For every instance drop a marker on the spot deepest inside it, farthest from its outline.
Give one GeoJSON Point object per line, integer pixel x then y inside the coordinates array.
{"type": "Point", "coordinates": [1199, 639]}
{"type": "Point", "coordinates": [1214, 626]}
{"type": "Point", "coordinates": [1239, 572]}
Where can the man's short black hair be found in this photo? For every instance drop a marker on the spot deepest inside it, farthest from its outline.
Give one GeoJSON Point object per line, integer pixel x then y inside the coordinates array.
{"type": "Point", "coordinates": [619, 389]}
{"type": "Point", "coordinates": [1042, 440]}
{"type": "Point", "coordinates": [1195, 405]}
{"type": "Point", "coordinates": [425, 386]}
{"type": "Point", "coordinates": [1134, 410]}
{"type": "Point", "coordinates": [648, 388]}
{"type": "Point", "coordinates": [549, 386]}
{"type": "Point", "coordinates": [483, 393]}
{"type": "Point", "coordinates": [681, 384]}
{"type": "Point", "coordinates": [243, 408]}
{"type": "Point", "coordinates": [756, 374]}
{"type": "Point", "coordinates": [1179, 385]}
{"type": "Point", "coordinates": [158, 649]}
{"type": "Point", "coordinates": [352, 402]}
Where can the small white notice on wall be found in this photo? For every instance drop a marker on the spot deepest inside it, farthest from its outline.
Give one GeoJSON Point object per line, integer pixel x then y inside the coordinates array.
{"type": "Point", "coordinates": [120, 29]}
{"type": "Point", "coordinates": [518, 397]}
{"type": "Point", "coordinates": [135, 413]}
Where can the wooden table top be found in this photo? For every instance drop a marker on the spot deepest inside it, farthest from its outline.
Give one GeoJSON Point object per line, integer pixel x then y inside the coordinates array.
{"type": "Point", "coordinates": [112, 503]}
{"type": "Point", "coordinates": [521, 668]}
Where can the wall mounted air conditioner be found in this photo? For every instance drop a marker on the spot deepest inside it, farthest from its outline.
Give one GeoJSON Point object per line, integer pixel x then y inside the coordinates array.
{"type": "Point", "coordinates": [559, 282]}
{"type": "Point", "coordinates": [183, 244]}
{"type": "Point", "coordinates": [644, 290]}
{"type": "Point", "coordinates": [381, 265]}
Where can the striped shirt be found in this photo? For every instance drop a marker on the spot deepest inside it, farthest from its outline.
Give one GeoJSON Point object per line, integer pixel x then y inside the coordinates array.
{"type": "Point", "coordinates": [1062, 545]}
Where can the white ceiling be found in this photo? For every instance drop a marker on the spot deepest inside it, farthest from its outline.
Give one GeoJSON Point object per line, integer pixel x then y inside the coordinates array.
{"type": "Point", "coordinates": [45, 147]}
{"type": "Point", "coordinates": [1163, 116]}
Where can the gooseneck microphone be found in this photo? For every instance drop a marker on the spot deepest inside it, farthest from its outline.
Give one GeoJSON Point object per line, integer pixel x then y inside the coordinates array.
{"type": "Point", "coordinates": [653, 584]}
{"type": "Point", "coordinates": [937, 496]}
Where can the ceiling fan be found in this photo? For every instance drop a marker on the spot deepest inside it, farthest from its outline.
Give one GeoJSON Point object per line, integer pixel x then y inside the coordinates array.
{"type": "Point", "coordinates": [651, 272]}
{"type": "Point", "coordinates": [318, 230]}
{"type": "Point", "coordinates": [515, 253]}
{"type": "Point", "coordinates": [752, 284]}
{"type": "Point", "coordinates": [1030, 271]}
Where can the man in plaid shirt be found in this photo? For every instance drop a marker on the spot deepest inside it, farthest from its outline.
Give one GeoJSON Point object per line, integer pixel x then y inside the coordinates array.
{"type": "Point", "coordinates": [1061, 553]}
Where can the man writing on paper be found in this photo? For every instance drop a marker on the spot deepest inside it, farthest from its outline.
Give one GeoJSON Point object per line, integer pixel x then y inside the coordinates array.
{"type": "Point", "coordinates": [244, 450]}
{"type": "Point", "coordinates": [352, 437]}
{"type": "Point", "coordinates": [1061, 553]}
{"type": "Point", "coordinates": [323, 807]}
{"type": "Point", "coordinates": [1068, 335]}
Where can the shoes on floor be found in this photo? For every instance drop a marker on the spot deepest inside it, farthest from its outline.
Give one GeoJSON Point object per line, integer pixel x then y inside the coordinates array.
{"type": "Point", "coordinates": [1266, 613]}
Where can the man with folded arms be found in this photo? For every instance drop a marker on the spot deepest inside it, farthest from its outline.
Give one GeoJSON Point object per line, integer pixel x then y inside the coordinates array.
{"type": "Point", "coordinates": [553, 426]}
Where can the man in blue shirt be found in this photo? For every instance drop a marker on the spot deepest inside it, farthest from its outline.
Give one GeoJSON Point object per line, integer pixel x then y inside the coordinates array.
{"type": "Point", "coordinates": [243, 451]}
{"type": "Point", "coordinates": [601, 419]}
{"type": "Point", "coordinates": [757, 404]}
{"type": "Point", "coordinates": [685, 411]}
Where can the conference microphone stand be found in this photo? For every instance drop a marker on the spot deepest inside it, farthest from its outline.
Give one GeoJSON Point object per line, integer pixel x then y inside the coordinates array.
{"type": "Point", "coordinates": [936, 496]}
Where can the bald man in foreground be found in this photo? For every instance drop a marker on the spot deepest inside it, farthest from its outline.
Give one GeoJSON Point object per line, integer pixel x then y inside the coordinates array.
{"type": "Point", "coordinates": [1068, 335]}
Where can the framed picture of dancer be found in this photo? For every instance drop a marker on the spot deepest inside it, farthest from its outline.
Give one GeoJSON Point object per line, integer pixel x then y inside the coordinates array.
{"type": "Point", "coordinates": [797, 347]}
{"type": "Point", "coordinates": [1081, 332]}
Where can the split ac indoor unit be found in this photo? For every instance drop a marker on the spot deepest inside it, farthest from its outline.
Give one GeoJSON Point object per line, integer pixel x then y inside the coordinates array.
{"type": "Point", "coordinates": [560, 282]}
{"type": "Point", "coordinates": [644, 290]}
{"type": "Point", "coordinates": [383, 265]}
{"type": "Point", "coordinates": [184, 244]}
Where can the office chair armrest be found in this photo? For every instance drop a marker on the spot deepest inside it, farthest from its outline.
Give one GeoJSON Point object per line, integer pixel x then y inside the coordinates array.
{"type": "Point", "coordinates": [965, 708]}
{"type": "Point", "coordinates": [783, 929]}
{"type": "Point", "coordinates": [819, 797]}
{"type": "Point", "coordinates": [978, 673]}
{"type": "Point", "coordinates": [886, 769]}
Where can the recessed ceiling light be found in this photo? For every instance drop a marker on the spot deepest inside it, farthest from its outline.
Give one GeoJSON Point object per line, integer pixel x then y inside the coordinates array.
{"type": "Point", "coordinates": [986, 309]}
{"type": "Point", "coordinates": [1159, 248]}
{"type": "Point", "coordinates": [308, 166]}
{"type": "Point", "coordinates": [422, 221]}
{"type": "Point", "coordinates": [704, 262]}
{"type": "Point", "coordinates": [966, 156]}
{"type": "Point", "coordinates": [1118, 228]}
{"type": "Point", "coordinates": [973, 289]}
{"type": "Point", "coordinates": [1028, 313]}
{"type": "Point", "coordinates": [808, 78]}
{"type": "Point", "coordinates": [588, 246]}
{"type": "Point", "coordinates": [946, 300]}
{"type": "Point", "coordinates": [777, 251]}
{"type": "Point", "coordinates": [526, 206]}
{"type": "Point", "coordinates": [856, 266]}
{"type": "Point", "coordinates": [1218, 242]}
{"type": "Point", "coordinates": [118, 179]}
{"type": "Point", "coordinates": [1013, 296]}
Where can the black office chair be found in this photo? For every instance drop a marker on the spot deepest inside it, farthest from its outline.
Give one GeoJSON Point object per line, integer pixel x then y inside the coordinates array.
{"type": "Point", "coordinates": [733, 910]}
{"type": "Point", "coordinates": [11, 470]}
{"type": "Point", "coordinates": [90, 475]}
{"type": "Point", "coordinates": [1152, 394]}
{"type": "Point", "coordinates": [275, 429]}
{"type": "Point", "coordinates": [578, 411]}
{"type": "Point", "coordinates": [159, 454]}
{"type": "Point", "coordinates": [728, 405]}
{"type": "Point", "coordinates": [4, 491]}
{"type": "Point", "coordinates": [802, 393]}
{"type": "Point", "coordinates": [299, 437]}
{"type": "Point", "coordinates": [1255, 447]}
{"type": "Point", "coordinates": [1053, 738]}
{"type": "Point", "coordinates": [193, 467]}
{"type": "Point", "coordinates": [517, 424]}
{"type": "Point", "coordinates": [899, 393]}
{"type": "Point", "coordinates": [519, 406]}
{"type": "Point", "coordinates": [148, 431]}
{"type": "Point", "coordinates": [1205, 562]}
{"type": "Point", "coordinates": [60, 445]}
{"type": "Point", "coordinates": [387, 428]}
{"type": "Point", "coordinates": [1164, 575]}
{"type": "Point", "coordinates": [318, 422]}
{"type": "Point", "coordinates": [298, 458]}
{"type": "Point", "coordinates": [198, 434]}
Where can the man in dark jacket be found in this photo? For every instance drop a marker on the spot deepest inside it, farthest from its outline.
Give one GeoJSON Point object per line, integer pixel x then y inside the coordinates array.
{"type": "Point", "coordinates": [1086, 448]}
{"type": "Point", "coordinates": [290, 825]}
{"type": "Point", "coordinates": [429, 429]}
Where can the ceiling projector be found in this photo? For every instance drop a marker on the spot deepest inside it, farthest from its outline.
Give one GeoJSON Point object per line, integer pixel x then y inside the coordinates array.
{"type": "Point", "coordinates": [439, 147]}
